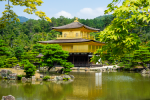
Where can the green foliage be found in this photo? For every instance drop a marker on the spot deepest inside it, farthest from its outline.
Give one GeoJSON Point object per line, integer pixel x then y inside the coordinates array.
{"type": "Point", "coordinates": [19, 77]}
{"type": "Point", "coordinates": [66, 79]}
{"type": "Point", "coordinates": [120, 36]}
{"type": "Point", "coordinates": [9, 16]}
{"type": "Point", "coordinates": [67, 66]}
{"type": "Point", "coordinates": [29, 68]}
{"type": "Point", "coordinates": [30, 56]}
{"type": "Point", "coordinates": [53, 54]}
{"type": "Point", "coordinates": [38, 48]}
{"type": "Point", "coordinates": [148, 44]}
{"type": "Point", "coordinates": [138, 57]}
{"type": "Point", "coordinates": [46, 78]}
{"type": "Point", "coordinates": [114, 66]}
{"type": "Point", "coordinates": [10, 62]}
{"type": "Point", "coordinates": [18, 52]}
{"type": "Point", "coordinates": [1, 63]}
{"type": "Point", "coordinates": [3, 49]}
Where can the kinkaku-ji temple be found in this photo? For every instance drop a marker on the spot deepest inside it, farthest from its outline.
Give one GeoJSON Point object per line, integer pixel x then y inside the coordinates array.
{"type": "Point", "coordinates": [76, 39]}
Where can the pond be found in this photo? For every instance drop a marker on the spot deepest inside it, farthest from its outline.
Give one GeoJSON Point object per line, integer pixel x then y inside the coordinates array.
{"type": "Point", "coordinates": [86, 86]}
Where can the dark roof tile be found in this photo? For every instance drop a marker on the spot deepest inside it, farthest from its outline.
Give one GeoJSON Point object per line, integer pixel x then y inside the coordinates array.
{"type": "Point", "coordinates": [75, 25]}
{"type": "Point", "coordinates": [68, 41]}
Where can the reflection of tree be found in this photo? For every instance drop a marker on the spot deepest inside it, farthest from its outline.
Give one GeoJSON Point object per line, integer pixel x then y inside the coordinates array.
{"type": "Point", "coordinates": [53, 91]}
{"type": "Point", "coordinates": [29, 90]}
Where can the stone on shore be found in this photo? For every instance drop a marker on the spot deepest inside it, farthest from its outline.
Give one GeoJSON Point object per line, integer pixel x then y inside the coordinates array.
{"type": "Point", "coordinates": [72, 77]}
{"type": "Point", "coordinates": [5, 73]}
{"type": "Point", "coordinates": [24, 79]}
{"type": "Point", "coordinates": [58, 78]}
{"type": "Point", "coordinates": [12, 76]}
{"type": "Point", "coordinates": [9, 97]}
{"type": "Point", "coordinates": [66, 76]}
{"type": "Point", "coordinates": [145, 71]}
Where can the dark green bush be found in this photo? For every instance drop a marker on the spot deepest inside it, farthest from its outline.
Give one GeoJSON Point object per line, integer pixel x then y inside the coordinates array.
{"type": "Point", "coordinates": [29, 68]}
{"type": "Point", "coordinates": [46, 78]}
{"type": "Point", "coordinates": [66, 79]}
{"type": "Point", "coordinates": [19, 77]}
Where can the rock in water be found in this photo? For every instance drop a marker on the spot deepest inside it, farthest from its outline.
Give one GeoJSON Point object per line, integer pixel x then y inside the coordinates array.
{"type": "Point", "coordinates": [5, 73]}
{"type": "Point", "coordinates": [24, 79]}
{"type": "Point", "coordinates": [9, 97]}
{"type": "Point", "coordinates": [33, 78]}
{"type": "Point", "coordinates": [41, 76]}
{"type": "Point", "coordinates": [58, 78]}
{"type": "Point", "coordinates": [13, 76]}
{"type": "Point", "coordinates": [143, 71]}
{"type": "Point", "coordinates": [72, 77]}
{"type": "Point", "coordinates": [66, 76]}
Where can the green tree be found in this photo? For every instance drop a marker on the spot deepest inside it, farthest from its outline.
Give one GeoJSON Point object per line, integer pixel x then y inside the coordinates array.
{"type": "Point", "coordinates": [29, 68]}
{"type": "Point", "coordinates": [9, 16]}
{"type": "Point", "coordinates": [119, 36]}
{"type": "Point", "coordinates": [30, 56]}
{"type": "Point", "coordinates": [38, 48]}
{"type": "Point", "coordinates": [138, 57]}
{"type": "Point", "coordinates": [53, 54]}
{"type": "Point", "coordinates": [18, 52]}
{"type": "Point", "coordinates": [67, 66]}
{"type": "Point", "coordinates": [10, 62]}
{"type": "Point", "coordinates": [4, 52]}
{"type": "Point", "coordinates": [3, 49]}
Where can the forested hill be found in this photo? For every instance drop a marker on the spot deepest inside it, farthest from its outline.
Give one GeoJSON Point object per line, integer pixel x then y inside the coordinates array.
{"type": "Point", "coordinates": [25, 34]}
{"type": "Point", "coordinates": [23, 19]}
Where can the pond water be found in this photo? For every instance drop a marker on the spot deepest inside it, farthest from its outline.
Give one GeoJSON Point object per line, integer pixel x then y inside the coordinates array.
{"type": "Point", "coordinates": [86, 86]}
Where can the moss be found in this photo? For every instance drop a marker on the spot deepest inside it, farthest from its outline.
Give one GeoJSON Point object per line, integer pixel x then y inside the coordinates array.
{"type": "Point", "coordinates": [66, 79]}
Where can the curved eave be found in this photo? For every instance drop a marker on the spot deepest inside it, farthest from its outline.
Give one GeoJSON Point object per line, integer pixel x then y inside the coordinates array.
{"type": "Point", "coordinates": [66, 41]}
{"type": "Point", "coordinates": [83, 28]}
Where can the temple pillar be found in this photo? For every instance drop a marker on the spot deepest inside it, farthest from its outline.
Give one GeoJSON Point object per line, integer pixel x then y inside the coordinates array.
{"type": "Point", "coordinates": [73, 58]}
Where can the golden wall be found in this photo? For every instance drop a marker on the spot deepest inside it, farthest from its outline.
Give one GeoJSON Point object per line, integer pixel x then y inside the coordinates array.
{"type": "Point", "coordinates": [75, 34]}
{"type": "Point", "coordinates": [80, 47]}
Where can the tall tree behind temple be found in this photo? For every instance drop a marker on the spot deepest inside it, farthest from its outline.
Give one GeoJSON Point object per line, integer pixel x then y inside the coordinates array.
{"type": "Point", "coordinates": [28, 33]}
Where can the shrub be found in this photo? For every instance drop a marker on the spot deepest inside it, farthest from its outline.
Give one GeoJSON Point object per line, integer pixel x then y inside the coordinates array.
{"type": "Point", "coordinates": [67, 66]}
{"type": "Point", "coordinates": [19, 77]}
{"type": "Point", "coordinates": [66, 79]}
{"type": "Point", "coordinates": [114, 66]}
{"type": "Point", "coordinates": [46, 78]}
{"type": "Point", "coordinates": [29, 69]}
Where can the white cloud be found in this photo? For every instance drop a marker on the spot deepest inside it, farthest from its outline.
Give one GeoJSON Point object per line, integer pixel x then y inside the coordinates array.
{"type": "Point", "coordinates": [63, 13]}
{"type": "Point", "coordinates": [91, 13]}
{"type": "Point", "coordinates": [37, 18]}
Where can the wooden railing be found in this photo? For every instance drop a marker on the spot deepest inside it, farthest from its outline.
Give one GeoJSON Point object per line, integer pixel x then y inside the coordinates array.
{"type": "Point", "coordinates": [79, 51]}
{"type": "Point", "coordinates": [73, 37]}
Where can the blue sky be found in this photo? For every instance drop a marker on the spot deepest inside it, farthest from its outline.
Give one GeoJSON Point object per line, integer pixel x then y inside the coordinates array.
{"type": "Point", "coordinates": [86, 9]}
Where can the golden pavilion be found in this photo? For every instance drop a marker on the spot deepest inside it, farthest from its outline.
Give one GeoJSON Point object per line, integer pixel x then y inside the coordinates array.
{"type": "Point", "coordinates": [76, 39]}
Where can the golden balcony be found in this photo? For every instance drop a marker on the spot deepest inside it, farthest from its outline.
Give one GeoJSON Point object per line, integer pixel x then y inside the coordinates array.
{"type": "Point", "coordinates": [75, 37]}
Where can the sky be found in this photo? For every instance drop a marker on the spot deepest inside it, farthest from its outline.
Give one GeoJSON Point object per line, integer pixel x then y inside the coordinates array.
{"type": "Point", "coordinates": [85, 9]}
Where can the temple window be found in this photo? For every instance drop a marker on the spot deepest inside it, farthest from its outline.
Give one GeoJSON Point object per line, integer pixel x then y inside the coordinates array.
{"type": "Point", "coordinates": [65, 35]}
{"type": "Point", "coordinates": [76, 34]}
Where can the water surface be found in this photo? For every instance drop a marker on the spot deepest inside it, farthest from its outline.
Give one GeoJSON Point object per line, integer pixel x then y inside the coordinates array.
{"type": "Point", "coordinates": [86, 86]}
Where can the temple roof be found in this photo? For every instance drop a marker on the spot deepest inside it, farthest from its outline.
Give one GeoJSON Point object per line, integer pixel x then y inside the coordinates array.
{"type": "Point", "coordinates": [68, 41]}
{"type": "Point", "coordinates": [75, 25]}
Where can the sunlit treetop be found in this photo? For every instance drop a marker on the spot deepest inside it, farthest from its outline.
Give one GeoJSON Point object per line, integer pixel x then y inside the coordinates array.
{"type": "Point", "coordinates": [119, 35]}
{"type": "Point", "coordinates": [9, 16]}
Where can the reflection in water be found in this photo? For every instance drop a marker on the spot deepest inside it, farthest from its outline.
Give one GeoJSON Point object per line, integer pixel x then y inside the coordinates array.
{"type": "Point", "coordinates": [98, 80]}
{"type": "Point", "coordinates": [86, 86]}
